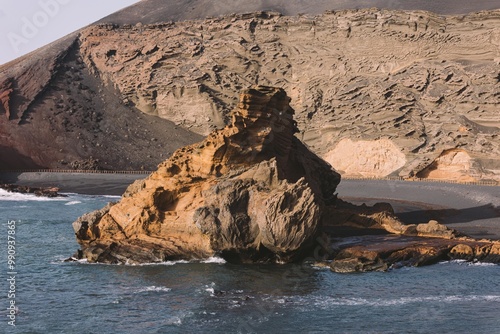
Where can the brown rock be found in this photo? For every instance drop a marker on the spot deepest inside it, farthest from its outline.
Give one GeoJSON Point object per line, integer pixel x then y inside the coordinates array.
{"type": "Point", "coordinates": [493, 256]}
{"type": "Point", "coordinates": [435, 230]}
{"type": "Point", "coordinates": [250, 192]}
{"type": "Point", "coordinates": [357, 260]}
{"type": "Point", "coordinates": [462, 252]}
{"type": "Point", "coordinates": [42, 192]}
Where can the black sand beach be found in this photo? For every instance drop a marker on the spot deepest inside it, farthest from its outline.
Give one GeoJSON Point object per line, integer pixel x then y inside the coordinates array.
{"type": "Point", "coordinates": [471, 209]}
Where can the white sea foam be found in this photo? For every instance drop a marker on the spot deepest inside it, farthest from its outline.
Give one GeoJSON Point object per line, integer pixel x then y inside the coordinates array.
{"type": "Point", "coordinates": [10, 196]}
{"type": "Point", "coordinates": [112, 196]}
{"type": "Point", "coordinates": [73, 203]}
{"type": "Point", "coordinates": [470, 263]}
{"type": "Point", "coordinates": [325, 302]}
{"type": "Point", "coordinates": [153, 288]}
{"type": "Point", "coordinates": [173, 321]}
{"type": "Point", "coordinates": [481, 264]}
{"type": "Point", "coordinates": [214, 259]}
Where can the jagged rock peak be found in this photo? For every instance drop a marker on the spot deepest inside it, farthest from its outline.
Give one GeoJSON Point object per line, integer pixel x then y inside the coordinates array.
{"type": "Point", "coordinates": [262, 127]}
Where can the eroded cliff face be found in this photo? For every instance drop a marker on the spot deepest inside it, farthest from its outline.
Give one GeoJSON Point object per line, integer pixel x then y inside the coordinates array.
{"type": "Point", "coordinates": [411, 85]}
{"type": "Point", "coordinates": [249, 192]}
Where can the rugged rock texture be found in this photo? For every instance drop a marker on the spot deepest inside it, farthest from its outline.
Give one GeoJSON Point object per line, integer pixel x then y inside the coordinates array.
{"type": "Point", "coordinates": [400, 89]}
{"type": "Point", "coordinates": [249, 192]}
{"type": "Point", "coordinates": [410, 85]}
{"type": "Point", "coordinates": [42, 192]}
{"type": "Point", "coordinates": [379, 253]}
{"type": "Point", "coordinates": [252, 192]}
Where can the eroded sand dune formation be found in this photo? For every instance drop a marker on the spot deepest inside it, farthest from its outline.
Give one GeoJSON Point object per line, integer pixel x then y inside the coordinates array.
{"type": "Point", "coordinates": [377, 92]}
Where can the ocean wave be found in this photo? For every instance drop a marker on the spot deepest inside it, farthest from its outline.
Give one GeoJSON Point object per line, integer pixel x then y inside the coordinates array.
{"type": "Point", "coordinates": [214, 259]}
{"type": "Point", "coordinates": [325, 302]}
{"type": "Point", "coordinates": [164, 263]}
{"type": "Point", "coordinates": [153, 288]}
{"type": "Point", "coordinates": [470, 263]}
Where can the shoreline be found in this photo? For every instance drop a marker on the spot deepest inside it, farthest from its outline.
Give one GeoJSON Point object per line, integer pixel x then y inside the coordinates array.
{"type": "Point", "coordinates": [88, 183]}
{"type": "Point", "coordinates": [103, 182]}
{"type": "Point", "coordinates": [471, 209]}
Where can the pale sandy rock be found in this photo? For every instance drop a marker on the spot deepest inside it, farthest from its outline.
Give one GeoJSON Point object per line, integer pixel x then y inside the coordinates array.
{"type": "Point", "coordinates": [456, 165]}
{"type": "Point", "coordinates": [377, 158]}
{"type": "Point", "coordinates": [388, 75]}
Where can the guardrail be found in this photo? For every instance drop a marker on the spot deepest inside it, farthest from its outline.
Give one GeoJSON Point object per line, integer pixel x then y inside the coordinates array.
{"type": "Point", "coordinates": [77, 171]}
{"type": "Point", "coordinates": [145, 172]}
{"type": "Point", "coordinates": [397, 178]}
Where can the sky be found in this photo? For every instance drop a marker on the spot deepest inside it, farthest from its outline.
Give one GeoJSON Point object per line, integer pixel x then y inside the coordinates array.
{"type": "Point", "coordinates": [26, 25]}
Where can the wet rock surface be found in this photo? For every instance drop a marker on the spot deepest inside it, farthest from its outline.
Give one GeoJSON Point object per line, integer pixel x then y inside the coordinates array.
{"type": "Point", "coordinates": [364, 253]}
{"type": "Point", "coordinates": [38, 191]}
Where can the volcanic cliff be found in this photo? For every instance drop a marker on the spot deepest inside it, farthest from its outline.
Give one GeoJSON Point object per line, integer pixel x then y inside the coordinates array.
{"type": "Point", "coordinates": [252, 192]}
{"type": "Point", "coordinates": [412, 93]}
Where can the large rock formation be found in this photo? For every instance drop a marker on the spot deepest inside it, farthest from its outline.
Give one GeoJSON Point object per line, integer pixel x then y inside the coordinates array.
{"type": "Point", "coordinates": [249, 192]}
{"type": "Point", "coordinates": [253, 192]}
{"type": "Point", "coordinates": [408, 87]}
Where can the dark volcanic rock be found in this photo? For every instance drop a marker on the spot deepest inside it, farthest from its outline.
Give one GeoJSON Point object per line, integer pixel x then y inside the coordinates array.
{"type": "Point", "coordinates": [43, 192]}
{"type": "Point", "coordinates": [379, 253]}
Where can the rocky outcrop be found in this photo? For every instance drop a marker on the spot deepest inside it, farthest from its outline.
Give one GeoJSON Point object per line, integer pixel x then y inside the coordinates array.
{"type": "Point", "coordinates": [380, 253]}
{"type": "Point", "coordinates": [453, 164]}
{"type": "Point", "coordinates": [38, 191]}
{"type": "Point", "coordinates": [375, 158]}
{"type": "Point", "coordinates": [250, 192]}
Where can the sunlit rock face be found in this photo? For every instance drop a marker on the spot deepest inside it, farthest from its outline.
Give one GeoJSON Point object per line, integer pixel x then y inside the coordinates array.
{"type": "Point", "coordinates": [249, 192]}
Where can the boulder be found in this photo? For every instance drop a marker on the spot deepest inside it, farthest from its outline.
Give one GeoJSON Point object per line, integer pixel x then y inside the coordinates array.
{"type": "Point", "coordinates": [38, 191]}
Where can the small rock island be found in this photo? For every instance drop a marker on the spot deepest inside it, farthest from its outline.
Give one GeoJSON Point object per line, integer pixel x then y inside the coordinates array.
{"type": "Point", "coordinates": [253, 192]}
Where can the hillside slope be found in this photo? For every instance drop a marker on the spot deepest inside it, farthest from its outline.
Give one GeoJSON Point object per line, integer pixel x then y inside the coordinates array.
{"type": "Point", "coordinates": [390, 92]}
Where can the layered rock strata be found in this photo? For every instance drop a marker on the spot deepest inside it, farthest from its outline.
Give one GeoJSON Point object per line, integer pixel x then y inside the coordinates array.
{"type": "Point", "coordinates": [400, 89]}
